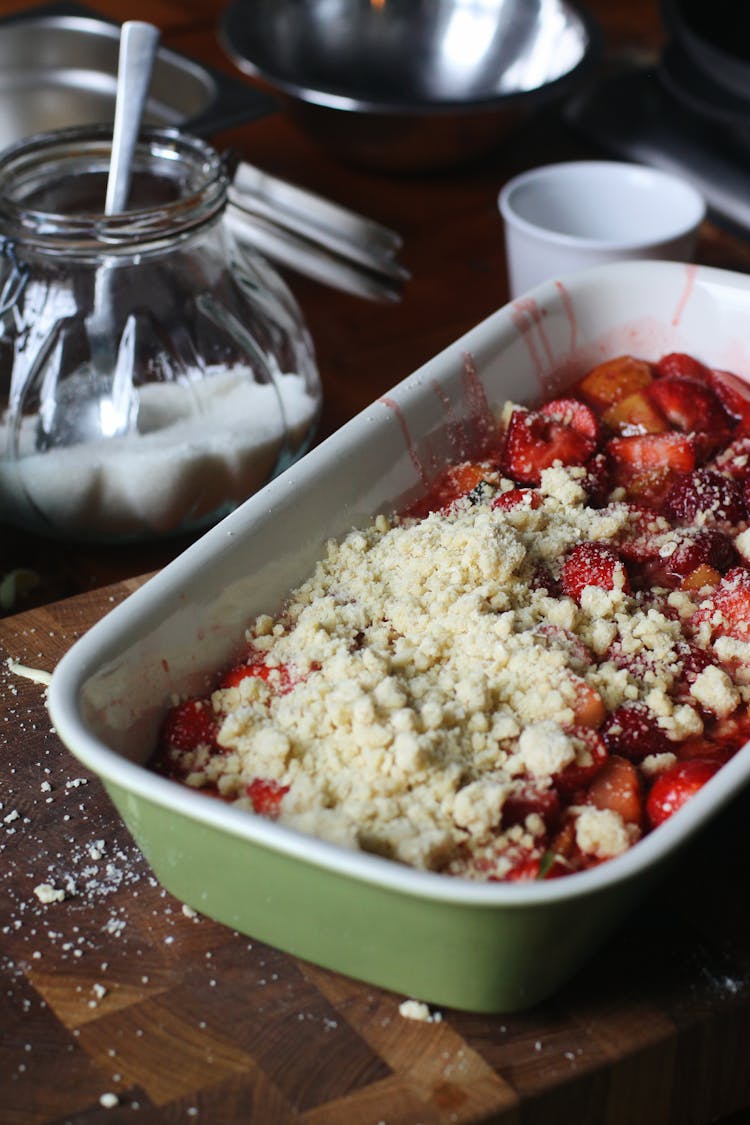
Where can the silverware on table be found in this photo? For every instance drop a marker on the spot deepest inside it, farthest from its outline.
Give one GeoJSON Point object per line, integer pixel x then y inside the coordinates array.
{"type": "Point", "coordinates": [314, 236]}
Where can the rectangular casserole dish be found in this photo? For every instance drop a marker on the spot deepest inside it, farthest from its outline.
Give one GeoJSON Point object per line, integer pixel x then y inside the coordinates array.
{"type": "Point", "coordinates": [483, 947]}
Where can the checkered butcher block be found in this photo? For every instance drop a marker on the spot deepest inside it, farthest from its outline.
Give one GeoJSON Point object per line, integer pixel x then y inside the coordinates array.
{"type": "Point", "coordinates": [118, 1005]}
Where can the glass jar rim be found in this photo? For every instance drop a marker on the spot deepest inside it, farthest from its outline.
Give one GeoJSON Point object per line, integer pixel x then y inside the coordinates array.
{"type": "Point", "coordinates": [204, 192]}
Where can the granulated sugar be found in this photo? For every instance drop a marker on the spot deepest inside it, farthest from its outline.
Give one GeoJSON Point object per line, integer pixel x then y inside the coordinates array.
{"type": "Point", "coordinates": [197, 447]}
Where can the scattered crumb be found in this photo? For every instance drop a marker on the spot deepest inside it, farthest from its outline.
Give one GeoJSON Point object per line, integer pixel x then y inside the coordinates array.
{"type": "Point", "coordinates": [109, 1101]}
{"type": "Point", "coordinates": [37, 675]}
{"type": "Point", "coordinates": [418, 1010]}
{"type": "Point", "coordinates": [47, 893]}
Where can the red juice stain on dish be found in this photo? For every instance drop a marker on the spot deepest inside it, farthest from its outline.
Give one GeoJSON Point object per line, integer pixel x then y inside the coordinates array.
{"type": "Point", "coordinates": [458, 438]}
{"type": "Point", "coordinates": [410, 447]}
{"type": "Point", "coordinates": [570, 312]}
{"type": "Point", "coordinates": [691, 273]}
{"type": "Point", "coordinates": [475, 431]}
{"type": "Point", "coordinates": [529, 318]}
{"type": "Point", "coordinates": [479, 416]}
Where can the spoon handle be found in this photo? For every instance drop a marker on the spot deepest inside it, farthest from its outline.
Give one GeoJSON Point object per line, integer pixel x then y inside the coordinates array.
{"type": "Point", "coordinates": [138, 42]}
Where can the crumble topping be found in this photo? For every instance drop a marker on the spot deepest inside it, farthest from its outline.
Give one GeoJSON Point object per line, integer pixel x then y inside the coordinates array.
{"type": "Point", "coordinates": [435, 675]}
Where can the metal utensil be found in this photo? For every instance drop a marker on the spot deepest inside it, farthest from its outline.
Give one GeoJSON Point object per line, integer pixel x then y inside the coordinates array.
{"type": "Point", "coordinates": [314, 236]}
{"type": "Point", "coordinates": [97, 400]}
{"type": "Point", "coordinates": [251, 184]}
{"type": "Point", "coordinates": [309, 258]}
{"type": "Point", "coordinates": [138, 44]}
{"type": "Point", "coordinates": [407, 87]}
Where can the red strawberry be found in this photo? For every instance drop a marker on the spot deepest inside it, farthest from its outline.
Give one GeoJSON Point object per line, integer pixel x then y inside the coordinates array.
{"type": "Point", "coordinates": [592, 564]}
{"type": "Point", "coordinates": [691, 407]}
{"type": "Point", "coordinates": [536, 440]}
{"type": "Point", "coordinates": [454, 483]}
{"type": "Point", "coordinates": [696, 546]}
{"type": "Point", "coordinates": [673, 788]}
{"type": "Point", "coordinates": [279, 678]}
{"type": "Point", "coordinates": [591, 757]}
{"type": "Point", "coordinates": [541, 579]}
{"type": "Point", "coordinates": [527, 800]}
{"type": "Point", "coordinates": [728, 608]}
{"type": "Point", "coordinates": [531, 863]}
{"type": "Point", "coordinates": [654, 451]}
{"type": "Point", "coordinates": [596, 484]}
{"type": "Point", "coordinates": [646, 465]}
{"type": "Point", "coordinates": [708, 492]}
{"type": "Point", "coordinates": [574, 414]}
{"type": "Point", "coordinates": [734, 461]}
{"type": "Point", "coordinates": [693, 661]}
{"type": "Point", "coordinates": [734, 395]}
{"type": "Point", "coordinates": [189, 725]}
{"type": "Point", "coordinates": [633, 732]}
{"type": "Point", "coordinates": [682, 366]}
{"type": "Point", "coordinates": [516, 498]}
{"type": "Point", "coordinates": [732, 391]}
{"type": "Point", "coordinates": [266, 795]}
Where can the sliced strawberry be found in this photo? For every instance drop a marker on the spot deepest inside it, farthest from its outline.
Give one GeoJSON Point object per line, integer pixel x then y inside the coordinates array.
{"type": "Point", "coordinates": [517, 498]}
{"type": "Point", "coordinates": [573, 414]}
{"type": "Point", "coordinates": [591, 755]}
{"type": "Point", "coordinates": [646, 465]}
{"type": "Point", "coordinates": [266, 794]}
{"type": "Point", "coordinates": [529, 800]}
{"type": "Point", "coordinates": [536, 440]}
{"type": "Point", "coordinates": [541, 578]}
{"type": "Point", "coordinates": [614, 380]}
{"type": "Point", "coordinates": [453, 484]}
{"type": "Point", "coordinates": [734, 395]}
{"type": "Point", "coordinates": [636, 414]}
{"type": "Point", "coordinates": [592, 564]}
{"type": "Point", "coordinates": [279, 678]}
{"type": "Point", "coordinates": [693, 661]}
{"type": "Point", "coordinates": [189, 726]}
{"type": "Point", "coordinates": [682, 366]}
{"type": "Point", "coordinates": [632, 731]}
{"type": "Point", "coordinates": [734, 461]}
{"type": "Point", "coordinates": [727, 610]}
{"type": "Point", "coordinates": [708, 493]}
{"type": "Point", "coordinates": [597, 484]}
{"type": "Point", "coordinates": [732, 391]}
{"type": "Point", "coordinates": [689, 406]}
{"type": "Point", "coordinates": [673, 788]}
{"type": "Point", "coordinates": [530, 863]}
{"type": "Point", "coordinates": [617, 787]}
{"type": "Point", "coordinates": [689, 548]}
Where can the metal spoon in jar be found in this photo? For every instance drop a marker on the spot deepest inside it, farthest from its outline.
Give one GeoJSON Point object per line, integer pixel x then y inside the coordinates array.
{"type": "Point", "coordinates": [97, 401]}
{"type": "Point", "coordinates": [138, 43]}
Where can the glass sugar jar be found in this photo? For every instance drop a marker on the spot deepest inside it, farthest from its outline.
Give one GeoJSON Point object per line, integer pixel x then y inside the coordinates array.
{"type": "Point", "coordinates": [153, 374]}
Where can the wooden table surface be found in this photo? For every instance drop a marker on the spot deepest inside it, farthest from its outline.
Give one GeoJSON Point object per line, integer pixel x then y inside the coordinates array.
{"type": "Point", "coordinates": [116, 991]}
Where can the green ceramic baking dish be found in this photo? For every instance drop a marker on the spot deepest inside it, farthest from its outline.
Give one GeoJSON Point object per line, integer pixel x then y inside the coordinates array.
{"type": "Point", "coordinates": [449, 941]}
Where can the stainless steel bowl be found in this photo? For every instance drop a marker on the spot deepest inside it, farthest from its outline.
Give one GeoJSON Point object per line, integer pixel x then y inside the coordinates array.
{"type": "Point", "coordinates": [59, 69]}
{"type": "Point", "coordinates": [405, 86]}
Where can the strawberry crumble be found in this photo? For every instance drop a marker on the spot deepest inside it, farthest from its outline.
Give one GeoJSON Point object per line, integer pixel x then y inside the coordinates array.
{"type": "Point", "coordinates": [528, 670]}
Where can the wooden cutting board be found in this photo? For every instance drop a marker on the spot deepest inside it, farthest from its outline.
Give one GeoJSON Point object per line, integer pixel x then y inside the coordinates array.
{"type": "Point", "coordinates": [115, 999]}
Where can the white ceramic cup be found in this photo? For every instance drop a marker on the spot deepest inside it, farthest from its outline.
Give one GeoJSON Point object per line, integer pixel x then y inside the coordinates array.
{"type": "Point", "coordinates": [561, 218]}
